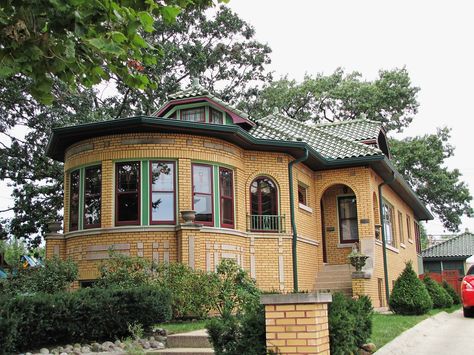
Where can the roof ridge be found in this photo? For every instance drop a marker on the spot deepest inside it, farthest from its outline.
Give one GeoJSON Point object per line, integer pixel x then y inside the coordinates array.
{"type": "Point", "coordinates": [316, 129]}
{"type": "Point", "coordinates": [445, 241]}
{"type": "Point", "coordinates": [342, 122]}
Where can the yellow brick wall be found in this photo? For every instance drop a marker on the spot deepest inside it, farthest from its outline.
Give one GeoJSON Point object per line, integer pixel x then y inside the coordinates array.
{"type": "Point", "coordinates": [297, 328]}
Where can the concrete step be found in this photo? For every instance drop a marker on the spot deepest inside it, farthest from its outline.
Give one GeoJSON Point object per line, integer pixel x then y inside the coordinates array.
{"type": "Point", "coordinates": [330, 277]}
{"type": "Point", "coordinates": [332, 287]}
{"type": "Point", "coordinates": [182, 351]}
{"type": "Point", "coordinates": [196, 339]}
{"type": "Point", "coordinates": [342, 267]}
{"type": "Point", "coordinates": [345, 291]}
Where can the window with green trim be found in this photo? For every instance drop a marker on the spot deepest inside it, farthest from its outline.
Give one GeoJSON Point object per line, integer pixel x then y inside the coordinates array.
{"type": "Point", "coordinates": [203, 194]}
{"type": "Point", "coordinates": [127, 195]}
{"type": "Point", "coordinates": [197, 114]}
{"type": "Point", "coordinates": [226, 187]}
{"type": "Point", "coordinates": [92, 196]}
{"type": "Point", "coordinates": [74, 188]}
{"type": "Point", "coordinates": [163, 193]}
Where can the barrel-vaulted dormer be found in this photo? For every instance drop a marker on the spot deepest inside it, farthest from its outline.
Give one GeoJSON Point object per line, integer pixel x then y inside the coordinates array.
{"type": "Point", "coordinates": [196, 104]}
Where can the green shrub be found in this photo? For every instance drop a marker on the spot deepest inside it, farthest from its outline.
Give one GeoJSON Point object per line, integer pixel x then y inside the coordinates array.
{"type": "Point", "coordinates": [454, 296]}
{"type": "Point", "coordinates": [56, 275]}
{"type": "Point", "coordinates": [193, 291]}
{"type": "Point", "coordinates": [350, 323]}
{"type": "Point", "coordinates": [240, 328]}
{"type": "Point", "coordinates": [409, 295]}
{"type": "Point", "coordinates": [440, 297]}
{"type": "Point", "coordinates": [37, 320]}
{"type": "Point", "coordinates": [121, 271]}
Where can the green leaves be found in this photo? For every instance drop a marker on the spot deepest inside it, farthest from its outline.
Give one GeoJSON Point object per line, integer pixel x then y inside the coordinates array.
{"type": "Point", "coordinates": [169, 13]}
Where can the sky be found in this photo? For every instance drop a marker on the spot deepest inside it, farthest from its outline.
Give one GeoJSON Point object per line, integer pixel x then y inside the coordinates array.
{"type": "Point", "coordinates": [432, 39]}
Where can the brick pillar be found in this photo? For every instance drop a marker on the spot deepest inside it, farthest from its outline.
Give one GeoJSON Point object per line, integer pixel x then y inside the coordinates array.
{"type": "Point", "coordinates": [55, 246]}
{"type": "Point", "coordinates": [360, 284]}
{"type": "Point", "coordinates": [297, 323]}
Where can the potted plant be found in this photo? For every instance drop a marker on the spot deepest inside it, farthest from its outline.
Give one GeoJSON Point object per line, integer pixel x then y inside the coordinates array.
{"type": "Point", "coordinates": [357, 260]}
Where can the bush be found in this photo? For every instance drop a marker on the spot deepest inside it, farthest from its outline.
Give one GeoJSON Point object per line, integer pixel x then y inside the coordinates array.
{"type": "Point", "coordinates": [454, 296]}
{"type": "Point", "coordinates": [28, 322]}
{"type": "Point", "coordinates": [440, 297]}
{"type": "Point", "coordinates": [350, 323]}
{"type": "Point", "coordinates": [409, 295]}
{"type": "Point", "coordinates": [56, 275]}
{"type": "Point", "coordinates": [193, 292]}
{"type": "Point", "coordinates": [240, 328]}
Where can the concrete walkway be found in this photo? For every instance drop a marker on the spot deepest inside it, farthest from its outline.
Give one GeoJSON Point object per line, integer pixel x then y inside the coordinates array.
{"type": "Point", "coordinates": [441, 334]}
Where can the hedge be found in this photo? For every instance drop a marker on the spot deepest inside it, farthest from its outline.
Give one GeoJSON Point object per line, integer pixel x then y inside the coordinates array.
{"type": "Point", "coordinates": [440, 297]}
{"type": "Point", "coordinates": [350, 323]}
{"type": "Point", "coordinates": [33, 321]}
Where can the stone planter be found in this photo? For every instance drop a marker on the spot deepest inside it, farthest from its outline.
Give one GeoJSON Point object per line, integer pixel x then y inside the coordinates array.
{"type": "Point", "coordinates": [357, 260]}
{"type": "Point", "coordinates": [54, 226]}
{"type": "Point", "coordinates": [188, 216]}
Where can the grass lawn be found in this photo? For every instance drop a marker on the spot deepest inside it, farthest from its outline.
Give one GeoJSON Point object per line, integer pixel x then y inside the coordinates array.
{"type": "Point", "coordinates": [386, 327]}
{"type": "Point", "coordinates": [182, 327]}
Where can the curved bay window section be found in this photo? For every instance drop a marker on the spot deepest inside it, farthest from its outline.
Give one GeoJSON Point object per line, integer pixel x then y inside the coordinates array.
{"type": "Point", "coordinates": [348, 226]}
{"type": "Point", "coordinates": [202, 194]}
{"type": "Point", "coordinates": [127, 194]}
{"type": "Point", "coordinates": [163, 192]}
{"type": "Point", "coordinates": [264, 215]}
{"type": "Point", "coordinates": [92, 196]}
{"type": "Point", "coordinates": [75, 182]}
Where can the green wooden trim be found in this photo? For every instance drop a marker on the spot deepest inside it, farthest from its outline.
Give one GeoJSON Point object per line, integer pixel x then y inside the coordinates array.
{"type": "Point", "coordinates": [206, 114]}
{"type": "Point", "coordinates": [217, 207]}
{"type": "Point", "coordinates": [80, 222]}
{"type": "Point", "coordinates": [82, 166]}
{"type": "Point", "coordinates": [172, 111]}
{"type": "Point", "coordinates": [145, 192]}
{"type": "Point", "coordinates": [227, 118]}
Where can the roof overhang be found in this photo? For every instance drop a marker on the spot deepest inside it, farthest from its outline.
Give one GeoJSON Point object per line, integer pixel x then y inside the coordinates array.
{"type": "Point", "coordinates": [446, 258]}
{"type": "Point", "coordinates": [62, 138]}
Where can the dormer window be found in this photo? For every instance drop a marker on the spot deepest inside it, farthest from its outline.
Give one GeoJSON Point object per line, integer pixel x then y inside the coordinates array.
{"type": "Point", "coordinates": [193, 114]}
{"type": "Point", "coordinates": [215, 116]}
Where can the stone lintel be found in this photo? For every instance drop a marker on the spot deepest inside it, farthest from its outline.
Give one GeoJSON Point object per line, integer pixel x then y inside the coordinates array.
{"type": "Point", "coordinates": [296, 298]}
{"type": "Point", "coordinates": [54, 236]}
{"type": "Point", "coordinates": [189, 226]}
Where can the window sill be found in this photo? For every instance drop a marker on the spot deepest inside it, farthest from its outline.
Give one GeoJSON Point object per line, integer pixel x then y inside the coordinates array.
{"type": "Point", "coordinates": [347, 245]}
{"type": "Point", "coordinates": [395, 250]}
{"type": "Point", "coordinates": [402, 245]}
{"type": "Point", "coordinates": [305, 208]}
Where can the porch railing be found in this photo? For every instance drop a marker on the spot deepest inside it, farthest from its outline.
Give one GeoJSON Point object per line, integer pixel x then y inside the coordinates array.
{"type": "Point", "coordinates": [266, 223]}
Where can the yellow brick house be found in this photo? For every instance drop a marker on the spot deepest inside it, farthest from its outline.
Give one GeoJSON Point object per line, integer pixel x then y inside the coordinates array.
{"type": "Point", "coordinates": [285, 199]}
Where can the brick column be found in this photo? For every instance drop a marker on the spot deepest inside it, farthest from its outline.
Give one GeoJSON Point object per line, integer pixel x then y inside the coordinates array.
{"type": "Point", "coordinates": [297, 323]}
{"type": "Point", "coordinates": [360, 283]}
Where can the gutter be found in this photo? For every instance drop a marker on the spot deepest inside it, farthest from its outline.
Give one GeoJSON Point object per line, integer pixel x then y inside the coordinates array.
{"type": "Point", "coordinates": [384, 246]}
{"type": "Point", "coordinates": [292, 216]}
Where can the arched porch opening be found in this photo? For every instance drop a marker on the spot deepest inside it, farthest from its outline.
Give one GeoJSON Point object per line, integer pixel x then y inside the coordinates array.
{"type": "Point", "coordinates": [339, 220]}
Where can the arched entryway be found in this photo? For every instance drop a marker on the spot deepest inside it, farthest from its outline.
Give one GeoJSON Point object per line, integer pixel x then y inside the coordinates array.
{"type": "Point", "coordinates": [339, 221]}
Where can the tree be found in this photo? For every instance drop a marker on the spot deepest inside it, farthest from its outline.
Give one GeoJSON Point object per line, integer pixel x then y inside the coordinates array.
{"type": "Point", "coordinates": [81, 42]}
{"type": "Point", "coordinates": [421, 160]}
{"type": "Point", "coordinates": [390, 98]}
{"type": "Point", "coordinates": [226, 48]}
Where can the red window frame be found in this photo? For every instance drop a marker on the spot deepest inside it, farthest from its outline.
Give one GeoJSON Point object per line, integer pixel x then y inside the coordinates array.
{"type": "Point", "coordinates": [117, 194]}
{"type": "Point", "coordinates": [203, 114]}
{"type": "Point", "coordinates": [224, 197]}
{"type": "Point", "coordinates": [94, 225]}
{"type": "Point", "coordinates": [167, 191]}
{"type": "Point", "coordinates": [341, 236]}
{"type": "Point", "coordinates": [206, 223]}
{"type": "Point", "coordinates": [76, 227]}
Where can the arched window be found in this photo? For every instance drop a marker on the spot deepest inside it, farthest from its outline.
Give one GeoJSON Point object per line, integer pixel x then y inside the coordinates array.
{"type": "Point", "coordinates": [264, 205]}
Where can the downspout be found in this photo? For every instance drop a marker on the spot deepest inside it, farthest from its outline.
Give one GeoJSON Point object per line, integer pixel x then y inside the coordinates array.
{"type": "Point", "coordinates": [292, 216]}
{"type": "Point", "coordinates": [384, 246]}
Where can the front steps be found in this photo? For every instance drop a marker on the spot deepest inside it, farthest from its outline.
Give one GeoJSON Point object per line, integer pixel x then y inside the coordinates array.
{"type": "Point", "coordinates": [335, 278]}
{"type": "Point", "coordinates": [192, 343]}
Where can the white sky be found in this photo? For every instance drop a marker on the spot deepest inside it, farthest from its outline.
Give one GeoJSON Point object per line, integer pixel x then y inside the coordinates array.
{"type": "Point", "coordinates": [433, 39]}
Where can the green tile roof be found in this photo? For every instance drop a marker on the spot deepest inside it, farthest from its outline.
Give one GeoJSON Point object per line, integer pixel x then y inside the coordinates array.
{"type": "Point", "coordinates": [333, 143]}
{"type": "Point", "coordinates": [356, 130]}
{"type": "Point", "coordinates": [459, 246]}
